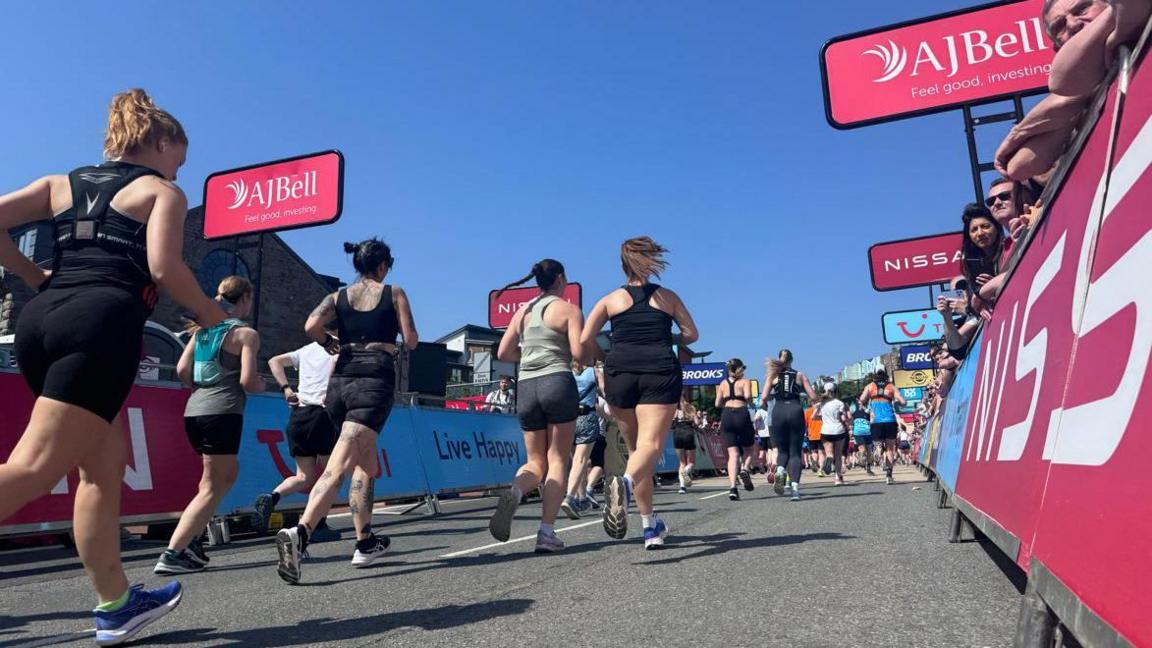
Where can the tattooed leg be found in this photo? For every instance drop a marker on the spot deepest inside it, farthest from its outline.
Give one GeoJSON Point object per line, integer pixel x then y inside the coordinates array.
{"type": "Point", "coordinates": [328, 486]}
{"type": "Point", "coordinates": [360, 501]}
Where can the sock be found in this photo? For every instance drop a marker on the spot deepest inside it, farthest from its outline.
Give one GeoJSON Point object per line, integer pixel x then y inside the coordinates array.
{"type": "Point", "coordinates": [112, 606]}
{"type": "Point", "coordinates": [517, 492]}
{"type": "Point", "coordinates": [648, 520]}
{"type": "Point", "coordinates": [302, 531]}
{"type": "Point", "coordinates": [547, 529]}
{"type": "Point", "coordinates": [275, 498]}
{"type": "Point", "coordinates": [690, 467]}
{"type": "Point", "coordinates": [682, 482]}
{"type": "Point", "coordinates": [366, 543]}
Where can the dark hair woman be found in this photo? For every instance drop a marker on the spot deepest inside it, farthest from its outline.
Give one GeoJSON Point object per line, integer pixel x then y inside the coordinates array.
{"type": "Point", "coordinates": [119, 229]}
{"type": "Point", "coordinates": [785, 385]}
{"type": "Point", "coordinates": [983, 248]}
{"type": "Point", "coordinates": [369, 315]}
{"type": "Point", "coordinates": [642, 379]}
{"type": "Point", "coordinates": [732, 398]}
{"type": "Point", "coordinates": [543, 337]}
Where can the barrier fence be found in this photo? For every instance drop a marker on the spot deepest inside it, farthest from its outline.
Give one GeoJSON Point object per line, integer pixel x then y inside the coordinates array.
{"type": "Point", "coordinates": [1040, 443]}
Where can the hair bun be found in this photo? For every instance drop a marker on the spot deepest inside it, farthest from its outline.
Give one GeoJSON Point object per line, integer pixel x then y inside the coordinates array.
{"type": "Point", "coordinates": [350, 248]}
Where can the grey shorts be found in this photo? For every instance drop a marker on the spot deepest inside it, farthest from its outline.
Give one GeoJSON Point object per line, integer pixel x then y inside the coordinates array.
{"type": "Point", "coordinates": [587, 428]}
{"type": "Point", "coordinates": [547, 400]}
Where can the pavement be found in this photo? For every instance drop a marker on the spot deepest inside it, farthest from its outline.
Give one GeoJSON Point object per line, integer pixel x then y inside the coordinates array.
{"type": "Point", "coordinates": [863, 564]}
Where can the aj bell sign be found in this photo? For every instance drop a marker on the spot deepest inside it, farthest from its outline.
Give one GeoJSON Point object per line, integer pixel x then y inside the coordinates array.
{"type": "Point", "coordinates": [933, 64]}
{"type": "Point", "coordinates": [284, 194]}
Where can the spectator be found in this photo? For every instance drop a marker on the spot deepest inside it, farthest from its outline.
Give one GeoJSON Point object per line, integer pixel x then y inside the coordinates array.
{"type": "Point", "coordinates": [960, 324]}
{"type": "Point", "coordinates": [1010, 201]}
{"type": "Point", "coordinates": [1087, 34]}
{"type": "Point", "coordinates": [983, 249]}
{"type": "Point", "coordinates": [503, 398]}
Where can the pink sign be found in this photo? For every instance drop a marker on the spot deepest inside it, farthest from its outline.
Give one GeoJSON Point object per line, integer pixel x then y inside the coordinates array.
{"type": "Point", "coordinates": [285, 194]}
{"type": "Point", "coordinates": [923, 261]}
{"type": "Point", "coordinates": [502, 308]}
{"type": "Point", "coordinates": [935, 64]}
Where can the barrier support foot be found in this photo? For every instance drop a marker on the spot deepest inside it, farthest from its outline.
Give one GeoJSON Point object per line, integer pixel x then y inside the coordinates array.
{"type": "Point", "coordinates": [1036, 625]}
{"type": "Point", "coordinates": [956, 527]}
{"type": "Point", "coordinates": [943, 501]}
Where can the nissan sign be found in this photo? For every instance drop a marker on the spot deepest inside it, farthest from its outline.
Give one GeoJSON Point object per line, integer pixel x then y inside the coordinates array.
{"type": "Point", "coordinates": [918, 356]}
{"type": "Point", "coordinates": [708, 373]}
{"type": "Point", "coordinates": [503, 306]}
{"type": "Point", "coordinates": [285, 194]}
{"type": "Point", "coordinates": [903, 327]}
{"type": "Point", "coordinates": [914, 262]}
{"type": "Point", "coordinates": [933, 64]}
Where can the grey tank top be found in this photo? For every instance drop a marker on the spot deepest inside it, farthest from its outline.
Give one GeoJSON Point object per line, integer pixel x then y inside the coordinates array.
{"type": "Point", "coordinates": [543, 351]}
{"type": "Point", "coordinates": [225, 397]}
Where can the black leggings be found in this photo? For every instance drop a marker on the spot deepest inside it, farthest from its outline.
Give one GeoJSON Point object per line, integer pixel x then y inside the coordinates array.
{"type": "Point", "coordinates": [788, 432]}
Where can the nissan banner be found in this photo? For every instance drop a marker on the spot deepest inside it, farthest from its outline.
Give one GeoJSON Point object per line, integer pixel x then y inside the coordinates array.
{"type": "Point", "coordinates": [915, 262]}
{"type": "Point", "coordinates": [285, 194]}
{"type": "Point", "coordinates": [503, 306]}
{"type": "Point", "coordinates": [707, 373]}
{"type": "Point", "coordinates": [934, 64]}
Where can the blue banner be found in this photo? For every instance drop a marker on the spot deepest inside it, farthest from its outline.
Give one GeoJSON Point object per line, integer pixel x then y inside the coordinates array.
{"type": "Point", "coordinates": [708, 373]}
{"type": "Point", "coordinates": [903, 327]}
{"type": "Point", "coordinates": [466, 450]}
{"type": "Point", "coordinates": [912, 394]}
{"type": "Point", "coordinates": [954, 418]}
{"type": "Point", "coordinates": [915, 357]}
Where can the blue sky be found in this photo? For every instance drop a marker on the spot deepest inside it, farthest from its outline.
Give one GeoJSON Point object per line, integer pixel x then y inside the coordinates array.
{"type": "Point", "coordinates": [482, 136]}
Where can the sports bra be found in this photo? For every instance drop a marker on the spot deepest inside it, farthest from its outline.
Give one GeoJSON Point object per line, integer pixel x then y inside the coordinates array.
{"type": "Point", "coordinates": [732, 395]}
{"type": "Point", "coordinates": [379, 324]}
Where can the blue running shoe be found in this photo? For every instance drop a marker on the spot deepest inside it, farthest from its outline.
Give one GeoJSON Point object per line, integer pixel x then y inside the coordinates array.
{"type": "Point", "coordinates": [654, 535]}
{"type": "Point", "coordinates": [142, 608]}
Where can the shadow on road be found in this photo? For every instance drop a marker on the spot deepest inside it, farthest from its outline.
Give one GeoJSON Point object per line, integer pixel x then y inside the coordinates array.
{"type": "Point", "coordinates": [723, 543]}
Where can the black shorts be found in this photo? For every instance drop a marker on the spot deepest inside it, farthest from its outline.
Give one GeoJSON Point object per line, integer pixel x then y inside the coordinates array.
{"type": "Point", "coordinates": [885, 431]}
{"type": "Point", "coordinates": [683, 436]}
{"type": "Point", "coordinates": [904, 445]}
{"type": "Point", "coordinates": [597, 458]}
{"type": "Point", "coordinates": [626, 390]}
{"type": "Point", "coordinates": [215, 434]}
{"type": "Point", "coordinates": [547, 400]}
{"type": "Point", "coordinates": [82, 346]}
{"type": "Point", "coordinates": [736, 426]}
{"type": "Point", "coordinates": [863, 440]}
{"type": "Point", "coordinates": [310, 432]}
{"type": "Point", "coordinates": [764, 442]}
{"type": "Point", "coordinates": [833, 438]}
{"type": "Point", "coordinates": [362, 389]}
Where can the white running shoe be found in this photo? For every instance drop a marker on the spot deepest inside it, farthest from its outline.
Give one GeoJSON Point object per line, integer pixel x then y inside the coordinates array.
{"type": "Point", "coordinates": [369, 556]}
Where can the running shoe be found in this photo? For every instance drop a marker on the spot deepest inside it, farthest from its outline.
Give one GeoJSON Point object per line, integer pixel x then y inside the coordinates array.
{"type": "Point", "coordinates": [686, 477]}
{"type": "Point", "coordinates": [548, 543]}
{"type": "Point", "coordinates": [616, 507]}
{"type": "Point", "coordinates": [781, 481]}
{"type": "Point", "coordinates": [177, 562]}
{"type": "Point", "coordinates": [771, 477]}
{"type": "Point", "coordinates": [795, 492]}
{"type": "Point", "coordinates": [196, 552]}
{"type": "Point", "coordinates": [682, 491]}
{"type": "Point", "coordinates": [870, 472]}
{"type": "Point", "coordinates": [733, 495]}
{"type": "Point", "coordinates": [288, 545]}
{"type": "Point", "coordinates": [746, 479]}
{"type": "Point", "coordinates": [592, 501]}
{"type": "Point", "coordinates": [262, 511]}
{"type": "Point", "coordinates": [501, 523]}
{"type": "Point", "coordinates": [838, 482]}
{"type": "Point", "coordinates": [368, 555]}
{"type": "Point", "coordinates": [323, 533]}
{"type": "Point", "coordinates": [570, 508]}
{"type": "Point", "coordinates": [142, 608]}
{"type": "Point", "coordinates": [654, 535]}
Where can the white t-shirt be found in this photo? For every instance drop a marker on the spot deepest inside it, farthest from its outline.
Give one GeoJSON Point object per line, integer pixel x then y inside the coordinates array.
{"type": "Point", "coordinates": [830, 415]}
{"type": "Point", "coordinates": [314, 365]}
{"type": "Point", "coordinates": [760, 422]}
{"type": "Point", "coordinates": [498, 401]}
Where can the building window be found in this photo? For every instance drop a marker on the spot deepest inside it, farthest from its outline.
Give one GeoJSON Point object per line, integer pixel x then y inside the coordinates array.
{"type": "Point", "coordinates": [216, 265]}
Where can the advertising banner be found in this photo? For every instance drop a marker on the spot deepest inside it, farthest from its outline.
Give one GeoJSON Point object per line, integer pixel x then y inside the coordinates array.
{"type": "Point", "coordinates": [273, 196]}
{"type": "Point", "coordinates": [501, 309]}
{"type": "Point", "coordinates": [462, 450]}
{"type": "Point", "coordinates": [902, 327]}
{"type": "Point", "coordinates": [705, 373]}
{"type": "Point", "coordinates": [912, 394]}
{"type": "Point", "coordinates": [915, 262]}
{"type": "Point", "coordinates": [911, 379]}
{"type": "Point", "coordinates": [934, 64]}
{"type": "Point", "coordinates": [917, 356]}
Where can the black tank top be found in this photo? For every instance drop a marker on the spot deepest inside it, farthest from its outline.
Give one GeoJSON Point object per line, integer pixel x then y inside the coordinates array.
{"type": "Point", "coordinates": [732, 396]}
{"type": "Point", "coordinates": [365, 327]}
{"type": "Point", "coordinates": [787, 386]}
{"type": "Point", "coordinates": [642, 336]}
{"type": "Point", "coordinates": [97, 245]}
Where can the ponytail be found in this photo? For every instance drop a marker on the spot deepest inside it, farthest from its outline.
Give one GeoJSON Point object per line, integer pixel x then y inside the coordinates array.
{"type": "Point", "coordinates": [545, 272]}
{"type": "Point", "coordinates": [134, 121]}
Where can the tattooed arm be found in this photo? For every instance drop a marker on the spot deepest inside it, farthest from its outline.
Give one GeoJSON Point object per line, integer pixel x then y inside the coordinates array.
{"type": "Point", "coordinates": [322, 315]}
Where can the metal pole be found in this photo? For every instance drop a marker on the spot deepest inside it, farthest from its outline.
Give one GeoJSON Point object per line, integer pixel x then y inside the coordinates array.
{"type": "Point", "coordinates": [259, 282]}
{"type": "Point", "coordinates": [973, 153]}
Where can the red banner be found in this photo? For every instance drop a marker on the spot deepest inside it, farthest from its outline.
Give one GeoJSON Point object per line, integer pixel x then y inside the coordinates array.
{"type": "Point", "coordinates": [501, 309]}
{"type": "Point", "coordinates": [285, 194]}
{"type": "Point", "coordinates": [935, 64]}
{"type": "Point", "coordinates": [923, 261]}
{"type": "Point", "coordinates": [162, 472]}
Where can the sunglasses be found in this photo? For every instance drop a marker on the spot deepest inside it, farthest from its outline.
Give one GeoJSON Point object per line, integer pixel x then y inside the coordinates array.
{"type": "Point", "coordinates": [1003, 196]}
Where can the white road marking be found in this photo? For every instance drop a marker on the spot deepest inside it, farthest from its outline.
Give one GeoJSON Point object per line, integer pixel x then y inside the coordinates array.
{"type": "Point", "coordinates": [455, 554]}
{"type": "Point", "coordinates": [721, 493]}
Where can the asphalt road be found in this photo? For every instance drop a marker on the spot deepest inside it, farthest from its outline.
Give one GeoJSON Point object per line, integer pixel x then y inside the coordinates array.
{"type": "Point", "coordinates": [860, 565]}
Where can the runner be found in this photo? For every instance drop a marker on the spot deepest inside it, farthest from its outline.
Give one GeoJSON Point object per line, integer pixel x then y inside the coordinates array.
{"type": "Point", "coordinates": [880, 395]}
{"type": "Point", "coordinates": [834, 432]}
{"type": "Point", "coordinates": [761, 420]}
{"type": "Point", "coordinates": [79, 341]}
{"type": "Point", "coordinates": [684, 441]}
{"type": "Point", "coordinates": [219, 363]}
{"type": "Point", "coordinates": [814, 457]}
{"type": "Point", "coordinates": [642, 379]}
{"type": "Point", "coordinates": [785, 386]}
{"type": "Point", "coordinates": [311, 435]}
{"type": "Point", "coordinates": [368, 314]}
{"type": "Point", "coordinates": [862, 432]}
{"type": "Point", "coordinates": [544, 337]}
{"type": "Point", "coordinates": [732, 397]}
{"type": "Point", "coordinates": [588, 382]}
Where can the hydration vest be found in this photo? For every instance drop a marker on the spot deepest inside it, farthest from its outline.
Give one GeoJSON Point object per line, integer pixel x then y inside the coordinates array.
{"type": "Point", "coordinates": [206, 368]}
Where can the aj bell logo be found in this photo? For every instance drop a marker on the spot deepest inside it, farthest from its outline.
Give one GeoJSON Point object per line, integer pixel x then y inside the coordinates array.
{"type": "Point", "coordinates": [266, 193]}
{"type": "Point", "coordinates": [967, 48]}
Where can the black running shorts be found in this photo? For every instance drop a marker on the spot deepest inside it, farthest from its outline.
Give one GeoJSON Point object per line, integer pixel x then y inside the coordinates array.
{"type": "Point", "coordinates": [626, 390]}
{"type": "Point", "coordinates": [215, 434]}
{"type": "Point", "coordinates": [885, 431]}
{"type": "Point", "coordinates": [362, 389]}
{"type": "Point", "coordinates": [736, 426]}
{"type": "Point", "coordinates": [310, 432]}
{"type": "Point", "coordinates": [597, 458]}
{"type": "Point", "coordinates": [683, 436]}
